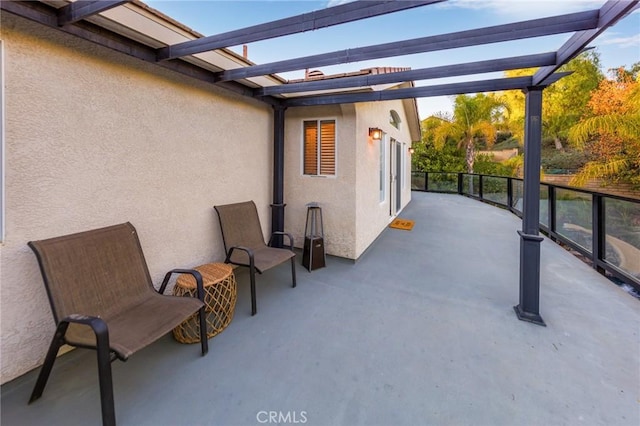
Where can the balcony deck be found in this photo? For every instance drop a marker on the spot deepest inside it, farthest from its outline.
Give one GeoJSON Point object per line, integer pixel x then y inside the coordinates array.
{"type": "Point", "coordinates": [420, 330]}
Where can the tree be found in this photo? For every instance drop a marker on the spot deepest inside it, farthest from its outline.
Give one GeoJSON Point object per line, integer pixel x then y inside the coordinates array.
{"type": "Point", "coordinates": [472, 123]}
{"type": "Point", "coordinates": [428, 158]}
{"type": "Point", "coordinates": [566, 100]}
{"type": "Point", "coordinates": [563, 103]}
{"type": "Point", "coordinates": [611, 130]}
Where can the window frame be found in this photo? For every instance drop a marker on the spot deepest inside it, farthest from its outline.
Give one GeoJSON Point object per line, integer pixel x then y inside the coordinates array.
{"type": "Point", "coordinates": [318, 122]}
{"type": "Point", "coordinates": [394, 119]}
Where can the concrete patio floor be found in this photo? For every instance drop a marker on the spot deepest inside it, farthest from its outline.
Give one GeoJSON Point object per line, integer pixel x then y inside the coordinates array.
{"type": "Point", "coordinates": [420, 331]}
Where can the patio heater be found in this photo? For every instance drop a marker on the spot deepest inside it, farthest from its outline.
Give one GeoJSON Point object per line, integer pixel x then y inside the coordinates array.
{"type": "Point", "coordinates": [313, 256]}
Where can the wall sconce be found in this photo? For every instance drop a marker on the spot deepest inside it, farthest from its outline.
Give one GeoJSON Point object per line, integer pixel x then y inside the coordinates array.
{"type": "Point", "coordinates": [411, 150]}
{"type": "Point", "coordinates": [375, 133]}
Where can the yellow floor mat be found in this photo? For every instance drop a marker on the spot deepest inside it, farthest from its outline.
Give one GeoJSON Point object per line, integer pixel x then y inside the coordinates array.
{"type": "Point", "coordinates": [404, 224]}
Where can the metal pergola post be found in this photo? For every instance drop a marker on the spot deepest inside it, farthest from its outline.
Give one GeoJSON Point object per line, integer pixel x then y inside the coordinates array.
{"type": "Point", "coordinates": [528, 308]}
{"type": "Point", "coordinates": [277, 207]}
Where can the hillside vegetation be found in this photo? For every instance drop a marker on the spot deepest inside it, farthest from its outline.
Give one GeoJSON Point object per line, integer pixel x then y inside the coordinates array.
{"type": "Point", "coordinates": [591, 127]}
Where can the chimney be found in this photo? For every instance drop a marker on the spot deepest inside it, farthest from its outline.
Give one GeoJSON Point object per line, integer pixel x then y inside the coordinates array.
{"type": "Point", "coordinates": [245, 51]}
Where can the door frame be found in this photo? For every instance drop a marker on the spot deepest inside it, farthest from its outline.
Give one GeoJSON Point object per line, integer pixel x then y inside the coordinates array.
{"type": "Point", "coordinates": [395, 178]}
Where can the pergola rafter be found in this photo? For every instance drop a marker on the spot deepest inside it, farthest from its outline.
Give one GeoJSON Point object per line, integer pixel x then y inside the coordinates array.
{"type": "Point", "coordinates": [296, 24]}
{"type": "Point", "coordinates": [79, 10]}
{"type": "Point", "coordinates": [609, 14]}
{"type": "Point", "coordinates": [495, 34]}
{"type": "Point", "coordinates": [479, 67]}
{"type": "Point", "coordinates": [586, 25]}
{"type": "Point", "coordinates": [492, 85]}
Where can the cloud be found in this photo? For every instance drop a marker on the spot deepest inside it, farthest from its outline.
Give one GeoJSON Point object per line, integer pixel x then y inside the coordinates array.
{"type": "Point", "coordinates": [525, 9]}
{"type": "Point", "coordinates": [332, 3]}
{"type": "Point", "coordinates": [630, 41]}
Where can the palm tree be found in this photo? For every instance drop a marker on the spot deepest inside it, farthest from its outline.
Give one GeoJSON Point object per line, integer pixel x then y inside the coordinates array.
{"type": "Point", "coordinates": [614, 129]}
{"type": "Point", "coordinates": [472, 122]}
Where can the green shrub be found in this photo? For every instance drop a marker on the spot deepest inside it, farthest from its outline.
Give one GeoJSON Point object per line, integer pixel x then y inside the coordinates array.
{"type": "Point", "coordinates": [426, 158]}
{"type": "Point", "coordinates": [485, 165]}
{"type": "Point", "coordinates": [563, 162]}
{"type": "Point", "coordinates": [508, 143]}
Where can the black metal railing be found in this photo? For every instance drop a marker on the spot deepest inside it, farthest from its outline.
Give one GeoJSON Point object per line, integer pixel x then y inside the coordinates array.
{"type": "Point", "coordinates": [604, 228]}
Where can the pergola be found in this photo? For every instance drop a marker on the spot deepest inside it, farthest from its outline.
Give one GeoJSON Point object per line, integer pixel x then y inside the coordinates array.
{"type": "Point", "coordinates": [91, 21]}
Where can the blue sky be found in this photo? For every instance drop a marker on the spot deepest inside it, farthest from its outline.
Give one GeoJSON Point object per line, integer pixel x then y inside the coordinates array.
{"type": "Point", "coordinates": [619, 45]}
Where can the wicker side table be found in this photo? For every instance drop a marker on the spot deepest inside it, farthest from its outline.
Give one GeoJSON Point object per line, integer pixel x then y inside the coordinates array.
{"type": "Point", "coordinates": [220, 301]}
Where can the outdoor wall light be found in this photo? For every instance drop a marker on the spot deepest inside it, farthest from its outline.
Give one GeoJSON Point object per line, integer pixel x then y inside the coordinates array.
{"type": "Point", "coordinates": [375, 133]}
{"type": "Point", "coordinates": [411, 150]}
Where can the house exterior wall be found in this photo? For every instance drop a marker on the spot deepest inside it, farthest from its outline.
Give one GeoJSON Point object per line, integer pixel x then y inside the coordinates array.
{"type": "Point", "coordinates": [372, 215]}
{"type": "Point", "coordinates": [94, 138]}
{"type": "Point", "coordinates": [352, 211]}
{"type": "Point", "coordinates": [336, 195]}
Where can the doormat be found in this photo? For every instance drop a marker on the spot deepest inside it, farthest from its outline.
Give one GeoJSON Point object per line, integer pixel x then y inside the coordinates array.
{"type": "Point", "coordinates": [404, 224]}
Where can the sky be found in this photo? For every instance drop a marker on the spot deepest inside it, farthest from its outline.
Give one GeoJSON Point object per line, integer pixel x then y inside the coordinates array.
{"type": "Point", "coordinates": [618, 46]}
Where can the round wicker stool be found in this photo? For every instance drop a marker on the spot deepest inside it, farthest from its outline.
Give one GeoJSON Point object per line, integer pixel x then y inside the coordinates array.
{"type": "Point", "coordinates": [219, 297]}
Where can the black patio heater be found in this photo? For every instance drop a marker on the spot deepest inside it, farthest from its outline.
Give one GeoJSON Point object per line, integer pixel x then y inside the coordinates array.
{"type": "Point", "coordinates": [313, 256]}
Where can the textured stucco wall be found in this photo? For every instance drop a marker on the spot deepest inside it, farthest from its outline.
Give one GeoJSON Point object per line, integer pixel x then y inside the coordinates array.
{"type": "Point", "coordinates": [372, 216]}
{"type": "Point", "coordinates": [95, 138]}
{"type": "Point", "coordinates": [351, 207]}
{"type": "Point", "coordinates": [336, 195]}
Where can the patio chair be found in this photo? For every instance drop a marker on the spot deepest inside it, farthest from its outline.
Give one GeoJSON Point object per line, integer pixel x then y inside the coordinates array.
{"type": "Point", "coordinates": [244, 243]}
{"type": "Point", "coordinates": [102, 298]}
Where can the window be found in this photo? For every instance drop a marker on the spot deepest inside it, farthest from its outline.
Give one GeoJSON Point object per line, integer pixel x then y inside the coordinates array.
{"type": "Point", "coordinates": [319, 148]}
{"type": "Point", "coordinates": [394, 119]}
{"type": "Point", "coordinates": [383, 164]}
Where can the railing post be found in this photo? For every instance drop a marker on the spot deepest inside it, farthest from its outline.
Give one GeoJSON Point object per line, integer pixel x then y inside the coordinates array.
{"type": "Point", "coordinates": [426, 181]}
{"type": "Point", "coordinates": [460, 179]}
{"type": "Point", "coordinates": [480, 184]}
{"type": "Point", "coordinates": [598, 231]}
{"type": "Point", "coordinates": [551, 211]}
{"type": "Point", "coordinates": [510, 194]}
{"type": "Point", "coordinates": [528, 308]}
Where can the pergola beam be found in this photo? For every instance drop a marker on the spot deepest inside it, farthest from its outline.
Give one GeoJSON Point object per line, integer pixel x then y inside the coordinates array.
{"type": "Point", "coordinates": [421, 92]}
{"type": "Point", "coordinates": [493, 65]}
{"type": "Point", "coordinates": [609, 14]}
{"type": "Point", "coordinates": [296, 24]}
{"type": "Point", "coordinates": [499, 33]}
{"type": "Point", "coordinates": [79, 10]}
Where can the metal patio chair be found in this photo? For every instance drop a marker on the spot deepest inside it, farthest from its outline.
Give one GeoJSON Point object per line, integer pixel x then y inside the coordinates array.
{"type": "Point", "coordinates": [244, 243]}
{"type": "Point", "coordinates": [102, 298]}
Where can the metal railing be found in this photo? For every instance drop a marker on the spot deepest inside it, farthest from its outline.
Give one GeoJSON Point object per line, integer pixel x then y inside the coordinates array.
{"type": "Point", "coordinates": [604, 228]}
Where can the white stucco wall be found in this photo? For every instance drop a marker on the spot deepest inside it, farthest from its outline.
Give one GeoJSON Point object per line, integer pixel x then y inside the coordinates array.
{"type": "Point", "coordinates": [336, 195]}
{"type": "Point", "coordinates": [372, 215]}
{"type": "Point", "coordinates": [95, 138]}
{"type": "Point", "coordinates": [351, 207]}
